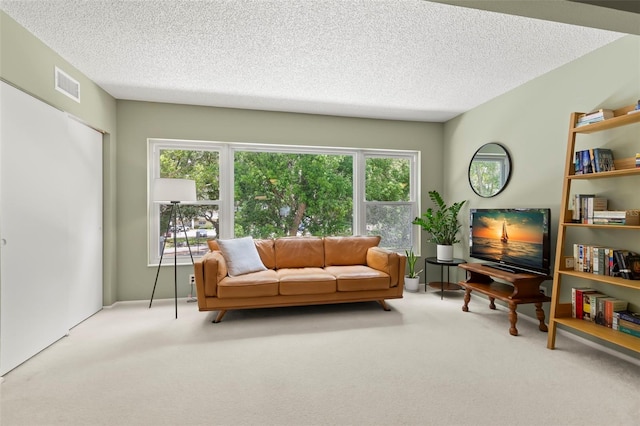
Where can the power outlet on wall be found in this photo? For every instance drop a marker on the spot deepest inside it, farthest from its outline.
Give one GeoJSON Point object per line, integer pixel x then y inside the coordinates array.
{"type": "Point", "coordinates": [543, 290]}
{"type": "Point", "coordinates": [192, 283]}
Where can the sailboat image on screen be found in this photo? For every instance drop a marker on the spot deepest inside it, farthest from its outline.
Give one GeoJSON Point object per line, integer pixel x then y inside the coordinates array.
{"type": "Point", "coordinates": [505, 237]}
{"type": "Point", "coordinates": [517, 239]}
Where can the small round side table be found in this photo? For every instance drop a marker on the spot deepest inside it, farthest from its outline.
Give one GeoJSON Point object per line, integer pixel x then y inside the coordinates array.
{"type": "Point", "coordinates": [442, 284]}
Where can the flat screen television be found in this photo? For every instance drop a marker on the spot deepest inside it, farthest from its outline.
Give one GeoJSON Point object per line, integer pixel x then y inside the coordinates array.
{"type": "Point", "coordinates": [515, 240]}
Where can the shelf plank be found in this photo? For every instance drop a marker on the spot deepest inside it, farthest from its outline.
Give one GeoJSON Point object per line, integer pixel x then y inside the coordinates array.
{"type": "Point", "coordinates": [621, 282]}
{"type": "Point", "coordinates": [610, 123]}
{"type": "Point", "coordinates": [592, 225]}
{"type": "Point", "coordinates": [610, 174]}
{"type": "Point", "coordinates": [617, 337]}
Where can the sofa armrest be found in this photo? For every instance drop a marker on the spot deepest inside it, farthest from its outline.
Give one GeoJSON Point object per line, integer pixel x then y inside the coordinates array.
{"type": "Point", "coordinates": [209, 270]}
{"type": "Point", "coordinates": [389, 262]}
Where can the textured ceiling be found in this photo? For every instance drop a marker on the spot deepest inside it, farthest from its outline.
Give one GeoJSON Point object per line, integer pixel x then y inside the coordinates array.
{"type": "Point", "coordinates": [393, 59]}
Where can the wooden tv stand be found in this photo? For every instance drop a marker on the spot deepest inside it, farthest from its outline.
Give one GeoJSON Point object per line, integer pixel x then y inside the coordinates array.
{"type": "Point", "coordinates": [523, 288]}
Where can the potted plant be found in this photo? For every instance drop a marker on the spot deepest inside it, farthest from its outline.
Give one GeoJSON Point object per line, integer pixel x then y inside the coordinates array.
{"type": "Point", "coordinates": [442, 224]}
{"type": "Point", "coordinates": [412, 280]}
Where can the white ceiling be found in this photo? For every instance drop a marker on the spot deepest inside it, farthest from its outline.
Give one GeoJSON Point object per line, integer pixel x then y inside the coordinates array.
{"type": "Point", "coordinates": [392, 59]}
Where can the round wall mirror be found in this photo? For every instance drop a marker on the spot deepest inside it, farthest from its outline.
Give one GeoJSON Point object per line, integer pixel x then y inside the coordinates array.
{"type": "Point", "coordinates": [489, 170]}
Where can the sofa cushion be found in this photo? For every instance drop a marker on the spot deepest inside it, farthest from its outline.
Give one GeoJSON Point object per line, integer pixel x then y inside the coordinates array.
{"type": "Point", "coordinates": [358, 278]}
{"type": "Point", "coordinates": [266, 250]}
{"type": "Point", "coordinates": [241, 256]}
{"type": "Point", "coordinates": [305, 281]}
{"type": "Point", "coordinates": [254, 284]}
{"type": "Point", "coordinates": [348, 250]}
{"type": "Point", "coordinates": [299, 252]}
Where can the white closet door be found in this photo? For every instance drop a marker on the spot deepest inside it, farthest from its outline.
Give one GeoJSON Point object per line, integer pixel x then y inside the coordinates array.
{"type": "Point", "coordinates": [85, 222]}
{"type": "Point", "coordinates": [34, 257]}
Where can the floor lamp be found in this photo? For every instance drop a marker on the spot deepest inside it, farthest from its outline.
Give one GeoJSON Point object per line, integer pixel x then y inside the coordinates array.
{"type": "Point", "coordinates": [174, 192]}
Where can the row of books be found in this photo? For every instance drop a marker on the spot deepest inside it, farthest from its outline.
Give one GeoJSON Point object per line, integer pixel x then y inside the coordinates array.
{"type": "Point", "coordinates": [585, 205]}
{"type": "Point", "coordinates": [594, 160]}
{"type": "Point", "coordinates": [608, 261]}
{"type": "Point", "coordinates": [594, 117]}
{"type": "Point", "coordinates": [592, 305]}
{"type": "Point", "coordinates": [637, 159]}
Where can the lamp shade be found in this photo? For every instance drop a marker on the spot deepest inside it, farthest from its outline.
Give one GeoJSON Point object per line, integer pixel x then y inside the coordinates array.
{"type": "Point", "coordinates": [173, 190]}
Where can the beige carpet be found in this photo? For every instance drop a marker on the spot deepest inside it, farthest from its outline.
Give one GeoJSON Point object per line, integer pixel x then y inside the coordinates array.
{"type": "Point", "coordinates": [424, 363]}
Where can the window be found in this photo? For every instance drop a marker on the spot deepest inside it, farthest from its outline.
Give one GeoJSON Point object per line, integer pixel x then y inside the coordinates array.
{"type": "Point", "coordinates": [286, 194]}
{"type": "Point", "coordinates": [268, 191]}
{"type": "Point", "coordinates": [389, 200]}
{"type": "Point", "coordinates": [199, 221]}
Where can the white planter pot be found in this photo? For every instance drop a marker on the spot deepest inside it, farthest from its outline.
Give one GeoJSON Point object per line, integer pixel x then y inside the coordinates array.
{"type": "Point", "coordinates": [444, 253]}
{"type": "Point", "coordinates": [411, 284]}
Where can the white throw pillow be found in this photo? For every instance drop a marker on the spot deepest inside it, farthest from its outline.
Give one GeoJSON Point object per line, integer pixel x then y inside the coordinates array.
{"type": "Point", "coordinates": [241, 255]}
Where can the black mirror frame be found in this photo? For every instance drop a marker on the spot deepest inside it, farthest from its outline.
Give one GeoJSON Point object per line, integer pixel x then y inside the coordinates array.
{"type": "Point", "coordinates": [508, 174]}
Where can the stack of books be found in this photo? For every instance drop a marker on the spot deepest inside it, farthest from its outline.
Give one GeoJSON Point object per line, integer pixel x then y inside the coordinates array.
{"type": "Point", "coordinates": [594, 117]}
{"type": "Point", "coordinates": [626, 322]}
{"type": "Point", "coordinates": [609, 217]}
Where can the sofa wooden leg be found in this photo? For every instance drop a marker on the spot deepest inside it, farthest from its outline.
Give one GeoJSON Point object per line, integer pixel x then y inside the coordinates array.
{"type": "Point", "coordinates": [384, 305]}
{"type": "Point", "coordinates": [219, 316]}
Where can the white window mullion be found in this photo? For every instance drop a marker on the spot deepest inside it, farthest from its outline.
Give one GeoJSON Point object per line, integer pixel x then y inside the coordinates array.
{"type": "Point", "coordinates": [359, 211]}
{"type": "Point", "coordinates": [227, 205]}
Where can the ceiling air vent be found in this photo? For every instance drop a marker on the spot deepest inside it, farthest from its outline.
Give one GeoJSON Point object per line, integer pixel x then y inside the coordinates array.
{"type": "Point", "coordinates": [67, 85]}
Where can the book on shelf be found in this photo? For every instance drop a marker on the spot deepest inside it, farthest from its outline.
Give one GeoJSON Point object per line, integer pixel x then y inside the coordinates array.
{"type": "Point", "coordinates": [638, 158]}
{"type": "Point", "coordinates": [628, 324]}
{"type": "Point", "coordinates": [577, 300]}
{"type": "Point", "coordinates": [582, 162]}
{"type": "Point", "coordinates": [609, 214]}
{"type": "Point", "coordinates": [586, 304]}
{"type": "Point", "coordinates": [633, 264]}
{"type": "Point", "coordinates": [622, 259]}
{"type": "Point", "coordinates": [602, 160]}
{"type": "Point", "coordinates": [580, 206]}
{"type": "Point", "coordinates": [627, 315]}
{"type": "Point", "coordinates": [613, 305]}
{"type": "Point", "coordinates": [594, 204]}
{"type": "Point", "coordinates": [594, 302]}
{"type": "Point", "coordinates": [598, 309]}
{"type": "Point", "coordinates": [630, 331]}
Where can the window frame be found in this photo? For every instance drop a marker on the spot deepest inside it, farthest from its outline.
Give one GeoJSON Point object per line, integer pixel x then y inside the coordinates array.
{"type": "Point", "coordinates": [225, 204]}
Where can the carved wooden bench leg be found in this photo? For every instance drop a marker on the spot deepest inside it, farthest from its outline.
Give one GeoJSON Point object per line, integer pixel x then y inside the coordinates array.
{"type": "Point", "coordinates": [219, 316]}
{"type": "Point", "coordinates": [467, 299]}
{"type": "Point", "coordinates": [513, 318]}
{"type": "Point", "coordinates": [540, 316]}
{"type": "Point", "coordinates": [384, 305]}
{"type": "Point", "coordinates": [492, 304]}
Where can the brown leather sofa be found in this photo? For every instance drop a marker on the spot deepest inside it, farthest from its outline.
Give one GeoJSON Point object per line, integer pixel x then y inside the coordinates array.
{"type": "Point", "coordinates": [302, 271]}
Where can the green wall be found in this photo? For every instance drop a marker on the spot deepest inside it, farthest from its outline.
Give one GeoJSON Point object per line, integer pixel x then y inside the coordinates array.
{"type": "Point", "coordinates": [532, 122]}
{"type": "Point", "coordinates": [28, 64]}
{"type": "Point", "coordinates": [138, 121]}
